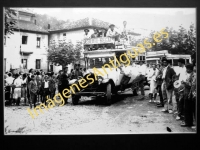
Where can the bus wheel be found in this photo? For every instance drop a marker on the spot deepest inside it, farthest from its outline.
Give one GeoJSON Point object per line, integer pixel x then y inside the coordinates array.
{"type": "Point", "coordinates": [75, 99]}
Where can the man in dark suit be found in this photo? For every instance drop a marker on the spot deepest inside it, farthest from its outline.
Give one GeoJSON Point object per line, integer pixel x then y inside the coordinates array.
{"type": "Point", "coordinates": [28, 81]}
{"type": "Point", "coordinates": [63, 82]}
{"type": "Point", "coordinates": [77, 71]}
{"type": "Point", "coordinates": [33, 90]}
{"type": "Point", "coordinates": [167, 85]}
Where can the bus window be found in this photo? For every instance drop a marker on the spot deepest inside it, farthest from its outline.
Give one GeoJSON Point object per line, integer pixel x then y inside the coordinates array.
{"type": "Point", "coordinates": [170, 61]}
{"type": "Point", "coordinates": [175, 62]}
{"type": "Point", "coordinates": [187, 61]}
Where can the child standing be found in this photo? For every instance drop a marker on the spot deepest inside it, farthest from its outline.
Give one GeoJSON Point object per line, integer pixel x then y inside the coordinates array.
{"type": "Point", "coordinates": [52, 85]}
{"type": "Point", "coordinates": [45, 89]}
{"type": "Point", "coordinates": [33, 89]}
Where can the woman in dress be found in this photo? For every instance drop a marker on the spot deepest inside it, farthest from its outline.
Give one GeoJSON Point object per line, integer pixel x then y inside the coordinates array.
{"type": "Point", "coordinates": [17, 85]}
{"type": "Point", "coordinates": [152, 78]}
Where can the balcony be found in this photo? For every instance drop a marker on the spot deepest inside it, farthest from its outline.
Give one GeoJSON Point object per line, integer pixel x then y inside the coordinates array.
{"type": "Point", "coordinates": [26, 50]}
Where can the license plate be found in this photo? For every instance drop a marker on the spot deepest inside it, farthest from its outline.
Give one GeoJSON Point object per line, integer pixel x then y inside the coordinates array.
{"type": "Point", "coordinates": [86, 98]}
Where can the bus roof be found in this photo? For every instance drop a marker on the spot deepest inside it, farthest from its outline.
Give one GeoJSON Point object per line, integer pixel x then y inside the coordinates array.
{"type": "Point", "coordinates": [109, 50]}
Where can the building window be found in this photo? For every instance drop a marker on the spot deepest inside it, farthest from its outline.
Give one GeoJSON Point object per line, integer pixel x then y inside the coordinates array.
{"type": "Point", "coordinates": [24, 39]}
{"type": "Point", "coordinates": [175, 62]}
{"type": "Point", "coordinates": [38, 42]}
{"type": "Point", "coordinates": [24, 62]}
{"type": "Point", "coordinates": [187, 61]}
{"type": "Point", "coordinates": [38, 63]}
{"type": "Point", "coordinates": [51, 68]}
{"type": "Point", "coordinates": [64, 36]}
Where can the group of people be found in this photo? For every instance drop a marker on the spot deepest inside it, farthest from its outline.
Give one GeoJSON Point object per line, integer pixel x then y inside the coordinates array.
{"type": "Point", "coordinates": [37, 86]}
{"type": "Point", "coordinates": [175, 87]}
{"type": "Point", "coordinates": [111, 32]}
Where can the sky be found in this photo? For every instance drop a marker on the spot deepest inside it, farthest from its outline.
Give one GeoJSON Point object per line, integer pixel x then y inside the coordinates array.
{"type": "Point", "coordinates": [138, 19]}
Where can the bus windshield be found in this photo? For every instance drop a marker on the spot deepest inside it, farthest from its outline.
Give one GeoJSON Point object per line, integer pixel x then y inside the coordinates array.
{"type": "Point", "coordinates": [98, 62]}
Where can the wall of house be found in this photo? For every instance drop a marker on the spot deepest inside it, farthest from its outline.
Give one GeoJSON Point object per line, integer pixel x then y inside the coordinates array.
{"type": "Point", "coordinates": [72, 36]}
{"type": "Point", "coordinates": [12, 50]}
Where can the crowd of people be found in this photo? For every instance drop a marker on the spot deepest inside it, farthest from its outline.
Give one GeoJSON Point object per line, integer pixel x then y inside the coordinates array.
{"type": "Point", "coordinates": [176, 87]}
{"type": "Point", "coordinates": [37, 86]}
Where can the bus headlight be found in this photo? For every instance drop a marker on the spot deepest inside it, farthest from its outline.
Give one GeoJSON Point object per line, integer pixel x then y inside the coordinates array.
{"type": "Point", "coordinates": [100, 79]}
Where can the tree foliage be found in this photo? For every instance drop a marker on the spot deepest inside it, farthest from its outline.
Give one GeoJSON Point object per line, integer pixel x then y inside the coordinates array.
{"type": "Point", "coordinates": [64, 53]}
{"type": "Point", "coordinates": [9, 21]}
{"type": "Point", "coordinates": [44, 20]}
{"type": "Point", "coordinates": [181, 41]}
{"type": "Point", "coordinates": [178, 42]}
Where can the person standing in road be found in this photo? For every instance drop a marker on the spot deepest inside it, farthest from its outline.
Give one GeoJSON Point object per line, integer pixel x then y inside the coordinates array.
{"type": "Point", "coordinates": [33, 89]}
{"type": "Point", "coordinates": [142, 72]}
{"type": "Point", "coordinates": [181, 75]}
{"type": "Point", "coordinates": [17, 88]}
{"type": "Point", "coordinates": [188, 113]}
{"type": "Point", "coordinates": [63, 82]}
{"type": "Point", "coordinates": [39, 83]}
{"type": "Point", "coordinates": [77, 72]}
{"type": "Point", "coordinates": [52, 85]}
{"type": "Point", "coordinates": [167, 77]}
{"type": "Point", "coordinates": [28, 81]}
{"type": "Point", "coordinates": [9, 81]}
{"type": "Point", "coordinates": [192, 95]}
{"type": "Point", "coordinates": [159, 83]}
{"type": "Point", "coordinates": [152, 77]}
{"type": "Point", "coordinates": [45, 89]}
{"type": "Point", "coordinates": [24, 88]}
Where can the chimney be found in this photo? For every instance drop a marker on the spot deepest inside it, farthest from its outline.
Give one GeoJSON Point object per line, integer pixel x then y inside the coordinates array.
{"type": "Point", "coordinates": [48, 26]}
{"type": "Point", "coordinates": [35, 22]}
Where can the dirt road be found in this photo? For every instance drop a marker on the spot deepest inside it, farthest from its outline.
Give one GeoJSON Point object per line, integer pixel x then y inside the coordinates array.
{"type": "Point", "coordinates": [127, 115]}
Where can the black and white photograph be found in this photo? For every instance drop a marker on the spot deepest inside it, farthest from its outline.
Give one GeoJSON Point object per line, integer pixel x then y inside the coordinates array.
{"type": "Point", "coordinates": [99, 70]}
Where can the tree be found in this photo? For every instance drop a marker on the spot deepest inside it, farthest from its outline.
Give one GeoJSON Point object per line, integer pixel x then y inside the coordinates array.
{"type": "Point", "coordinates": [44, 20]}
{"type": "Point", "coordinates": [63, 53]}
{"type": "Point", "coordinates": [178, 42]}
{"type": "Point", "coordinates": [9, 21]}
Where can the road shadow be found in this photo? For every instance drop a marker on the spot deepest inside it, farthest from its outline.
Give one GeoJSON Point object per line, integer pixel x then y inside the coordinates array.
{"type": "Point", "coordinates": [101, 100]}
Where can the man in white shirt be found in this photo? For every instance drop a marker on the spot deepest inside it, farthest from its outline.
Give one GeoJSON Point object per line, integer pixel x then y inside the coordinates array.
{"type": "Point", "coordinates": [113, 32]}
{"type": "Point", "coordinates": [126, 70]}
{"type": "Point", "coordinates": [86, 35]}
{"type": "Point", "coordinates": [9, 79]}
{"type": "Point", "coordinates": [9, 82]}
{"type": "Point", "coordinates": [181, 72]}
{"type": "Point", "coordinates": [17, 89]}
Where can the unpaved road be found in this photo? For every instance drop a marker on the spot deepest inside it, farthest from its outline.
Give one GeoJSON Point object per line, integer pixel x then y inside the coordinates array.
{"type": "Point", "coordinates": [127, 115]}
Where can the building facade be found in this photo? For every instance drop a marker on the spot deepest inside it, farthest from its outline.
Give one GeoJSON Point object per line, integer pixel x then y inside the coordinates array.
{"type": "Point", "coordinates": [27, 47]}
